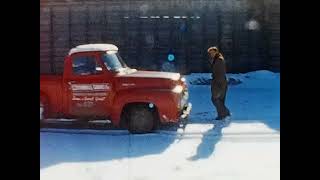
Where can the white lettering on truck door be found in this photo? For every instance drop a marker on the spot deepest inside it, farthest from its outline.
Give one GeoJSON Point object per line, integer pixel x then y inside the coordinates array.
{"type": "Point", "coordinates": [89, 93]}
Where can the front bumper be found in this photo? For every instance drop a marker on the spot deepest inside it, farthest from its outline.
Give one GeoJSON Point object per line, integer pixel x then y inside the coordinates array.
{"type": "Point", "coordinates": [186, 111]}
{"type": "Point", "coordinates": [183, 119]}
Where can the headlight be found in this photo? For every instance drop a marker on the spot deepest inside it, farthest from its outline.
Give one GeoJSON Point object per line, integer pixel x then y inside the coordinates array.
{"type": "Point", "coordinates": [176, 77]}
{"type": "Point", "coordinates": [178, 89]}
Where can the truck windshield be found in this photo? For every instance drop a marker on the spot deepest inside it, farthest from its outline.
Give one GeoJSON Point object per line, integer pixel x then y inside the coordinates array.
{"type": "Point", "coordinates": [113, 61]}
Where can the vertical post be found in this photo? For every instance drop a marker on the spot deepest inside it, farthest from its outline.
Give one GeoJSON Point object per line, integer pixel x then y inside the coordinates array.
{"type": "Point", "coordinates": [266, 39]}
{"type": "Point", "coordinates": [52, 67]}
{"type": "Point", "coordinates": [171, 33]}
{"type": "Point", "coordinates": [250, 38]}
{"type": "Point", "coordinates": [104, 23]}
{"type": "Point", "coordinates": [184, 45]}
{"type": "Point", "coordinates": [69, 24]}
{"type": "Point", "coordinates": [155, 48]}
{"type": "Point", "coordinates": [204, 43]}
{"type": "Point", "coordinates": [234, 53]}
{"type": "Point", "coordinates": [139, 41]}
{"type": "Point", "coordinates": [124, 34]}
{"type": "Point", "coordinates": [188, 42]}
{"type": "Point", "coordinates": [219, 26]}
{"type": "Point", "coordinates": [87, 25]}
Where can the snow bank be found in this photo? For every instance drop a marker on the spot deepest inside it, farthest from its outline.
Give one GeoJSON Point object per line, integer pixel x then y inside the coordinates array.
{"type": "Point", "coordinates": [256, 79]}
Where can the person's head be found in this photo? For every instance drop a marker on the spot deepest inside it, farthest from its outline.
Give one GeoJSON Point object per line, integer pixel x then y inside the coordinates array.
{"type": "Point", "coordinates": [213, 51]}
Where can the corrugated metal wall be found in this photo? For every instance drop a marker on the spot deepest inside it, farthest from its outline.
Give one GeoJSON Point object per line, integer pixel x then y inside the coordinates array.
{"type": "Point", "coordinates": [247, 31]}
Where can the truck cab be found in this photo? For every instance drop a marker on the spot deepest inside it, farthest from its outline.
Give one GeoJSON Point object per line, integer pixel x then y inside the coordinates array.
{"type": "Point", "coordinates": [97, 84]}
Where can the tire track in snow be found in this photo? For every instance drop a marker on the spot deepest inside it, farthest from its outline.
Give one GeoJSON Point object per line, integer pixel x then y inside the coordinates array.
{"type": "Point", "coordinates": [227, 136]}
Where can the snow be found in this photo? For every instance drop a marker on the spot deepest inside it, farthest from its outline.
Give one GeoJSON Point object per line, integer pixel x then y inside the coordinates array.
{"type": "Point", "coordinates": [93, 47]}
{"type": "Point", "coordinates": [245, 148]}
{"type": "Point", "coordinates": [154, 74]}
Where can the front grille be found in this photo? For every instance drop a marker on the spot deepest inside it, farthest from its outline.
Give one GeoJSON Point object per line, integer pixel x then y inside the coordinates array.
{"type": "Point", "coordinates": [184, 98]}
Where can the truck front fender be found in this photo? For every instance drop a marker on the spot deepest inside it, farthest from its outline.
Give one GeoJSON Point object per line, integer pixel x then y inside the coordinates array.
{"type": "Point", "coordinates": [163, 99]}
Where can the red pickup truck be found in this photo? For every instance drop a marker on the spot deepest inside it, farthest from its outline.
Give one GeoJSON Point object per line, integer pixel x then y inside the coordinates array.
{"type": "Point", "coordinates": [97, 84]}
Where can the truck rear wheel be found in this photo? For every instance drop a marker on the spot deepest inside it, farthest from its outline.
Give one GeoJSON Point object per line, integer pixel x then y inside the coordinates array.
{"type": "Point", "coordinates": [43, 109]}
{"type": "Point", "coordinates": [141, 119]}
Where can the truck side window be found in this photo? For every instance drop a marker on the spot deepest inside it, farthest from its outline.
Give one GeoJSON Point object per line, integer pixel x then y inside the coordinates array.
{"type": "Point", "coordinates": [84, 65]}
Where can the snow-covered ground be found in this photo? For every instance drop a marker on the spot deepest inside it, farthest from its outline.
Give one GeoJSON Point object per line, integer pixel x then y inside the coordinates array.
{"type": "Point", "coordinates": [247, 147]}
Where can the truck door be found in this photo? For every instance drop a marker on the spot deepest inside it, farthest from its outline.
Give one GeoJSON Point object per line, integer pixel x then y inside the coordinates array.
{"type": "Point", "coordinates": [89, 87]}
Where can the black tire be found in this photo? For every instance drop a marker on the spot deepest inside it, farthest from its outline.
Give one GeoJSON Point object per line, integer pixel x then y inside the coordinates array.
{"type": "Point", "coordinates": [141, 119]}
{"type": "Point", "coordinates": [41, 111]}
{"type": "Point", "coordinates": [43, 108]}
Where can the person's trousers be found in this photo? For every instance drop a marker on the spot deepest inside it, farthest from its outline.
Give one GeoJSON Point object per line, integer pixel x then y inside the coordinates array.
{"type": "Point", "coordinates": [218, 98]}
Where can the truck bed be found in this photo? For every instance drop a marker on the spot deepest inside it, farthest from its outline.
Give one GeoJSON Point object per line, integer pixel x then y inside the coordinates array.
{"type": "Point", "coordinates": [50, 80]}
{"type": "Point", "coordinates": [51, 87]}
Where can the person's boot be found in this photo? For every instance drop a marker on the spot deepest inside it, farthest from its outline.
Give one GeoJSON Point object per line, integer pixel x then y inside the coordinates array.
{"type": "Point", "coordinates": [226, 111]}
{"type": "Point", "coordinates": [226, 115]}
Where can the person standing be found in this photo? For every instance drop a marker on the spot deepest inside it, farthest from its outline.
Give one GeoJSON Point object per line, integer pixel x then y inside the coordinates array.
{"type": "Point", "coordinates": [219, 84]}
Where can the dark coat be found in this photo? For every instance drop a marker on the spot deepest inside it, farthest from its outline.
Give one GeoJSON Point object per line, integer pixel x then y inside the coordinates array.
{"type": "Point", "coordinates": [219, 81]}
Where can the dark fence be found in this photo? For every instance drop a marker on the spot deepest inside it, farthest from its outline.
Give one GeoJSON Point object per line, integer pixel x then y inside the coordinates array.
{"type": "Point", "coordinates": [147, 31]}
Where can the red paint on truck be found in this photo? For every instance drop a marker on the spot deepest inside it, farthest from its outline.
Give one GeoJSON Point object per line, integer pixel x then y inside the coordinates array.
{"type": "Point", "coordinates": [97, 83]}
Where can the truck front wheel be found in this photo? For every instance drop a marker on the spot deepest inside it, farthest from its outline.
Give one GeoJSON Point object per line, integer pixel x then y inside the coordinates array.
{"type": "Point", "coordinates": [141, 119]}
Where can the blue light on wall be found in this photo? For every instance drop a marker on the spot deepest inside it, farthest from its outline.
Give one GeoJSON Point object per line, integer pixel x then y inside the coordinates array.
{"type": "Point", "coordinates": [171, 57]}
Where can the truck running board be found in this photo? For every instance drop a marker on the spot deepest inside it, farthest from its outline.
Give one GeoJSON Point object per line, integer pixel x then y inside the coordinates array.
{"type": "Point", "coordinates": [76, 120]}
